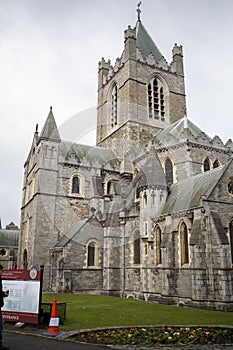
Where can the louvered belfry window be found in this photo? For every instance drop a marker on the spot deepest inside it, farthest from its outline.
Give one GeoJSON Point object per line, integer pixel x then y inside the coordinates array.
{"type": "Point", "coordinates": [114, 101]}
{"type": "Point", "coordinates": [156, 99]}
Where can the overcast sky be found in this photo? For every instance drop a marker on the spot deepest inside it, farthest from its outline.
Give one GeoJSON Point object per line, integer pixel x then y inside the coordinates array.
{"type": "Point", "coordinates": [49, 53]}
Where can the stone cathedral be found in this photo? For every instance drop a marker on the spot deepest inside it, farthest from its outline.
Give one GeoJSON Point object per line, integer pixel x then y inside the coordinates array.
{"type": "Point", "coordinates": [148, 212]}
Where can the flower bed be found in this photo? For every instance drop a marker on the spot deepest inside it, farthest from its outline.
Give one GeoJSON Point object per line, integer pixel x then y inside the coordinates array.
{"type": "Point", "coordinates": [155, 335]}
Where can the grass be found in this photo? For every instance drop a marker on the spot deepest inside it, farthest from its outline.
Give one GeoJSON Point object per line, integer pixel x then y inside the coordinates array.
{"type": "Point", "coordinates": [92, 311]}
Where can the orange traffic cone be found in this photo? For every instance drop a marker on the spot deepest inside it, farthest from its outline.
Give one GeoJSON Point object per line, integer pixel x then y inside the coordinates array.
{"type": "Point", "coordinates": [54, 320]}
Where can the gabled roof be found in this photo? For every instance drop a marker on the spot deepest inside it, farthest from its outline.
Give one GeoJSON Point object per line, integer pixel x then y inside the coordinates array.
{"type": "Point", "coordinates": [81, 231]}
{"type": "Point", "coordinates": [66, 238]}
{"type": "Point", "coordinates": [50, 130]}
{"type": "Point", "coordinates": [145, 44]}
{"type": "Point", "coordinates": [188, 193]}
{"type": "Point", "coordinates": [88, 153]}
{"type": "Point", "coordinates": [177, 128]}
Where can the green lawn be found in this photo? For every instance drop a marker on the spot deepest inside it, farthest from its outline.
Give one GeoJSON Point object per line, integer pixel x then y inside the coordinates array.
{"type": "Point", "coordinates": [91, 311]}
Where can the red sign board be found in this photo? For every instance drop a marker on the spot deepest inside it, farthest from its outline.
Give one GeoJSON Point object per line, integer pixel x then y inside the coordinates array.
{"type": "Point", "coordinates": [22, 304]}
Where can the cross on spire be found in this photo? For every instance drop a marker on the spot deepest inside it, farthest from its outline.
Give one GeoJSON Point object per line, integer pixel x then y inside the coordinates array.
{"type": "Point", "coordinates": [139, 11]}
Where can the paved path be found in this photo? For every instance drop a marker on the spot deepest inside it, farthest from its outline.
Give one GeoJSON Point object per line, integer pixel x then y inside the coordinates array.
{"type": "Point", "coordinates": [19, 341]}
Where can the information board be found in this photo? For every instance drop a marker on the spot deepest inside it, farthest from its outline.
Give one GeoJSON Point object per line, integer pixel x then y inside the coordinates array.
{"type": "Point", "coordinates": [23, 302]}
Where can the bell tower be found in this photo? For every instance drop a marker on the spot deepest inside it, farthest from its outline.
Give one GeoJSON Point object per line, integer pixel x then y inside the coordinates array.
{"type": "Point", "coordinates": [140, 94]}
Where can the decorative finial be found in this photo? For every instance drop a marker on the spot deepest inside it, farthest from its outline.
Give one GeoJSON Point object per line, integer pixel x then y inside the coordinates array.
{"type": "Point", "coordinates": [185, 118]}
{"type": "Point", "coordinates": [51, 108]}
{"type": "Point", "coordinates": [139, 11]}
{"type": "Point", "coordinates": [37, 128]}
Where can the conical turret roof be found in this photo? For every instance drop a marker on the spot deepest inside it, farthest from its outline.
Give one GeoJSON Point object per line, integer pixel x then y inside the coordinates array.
{"type": "Point", "coordinates": [152, 173]}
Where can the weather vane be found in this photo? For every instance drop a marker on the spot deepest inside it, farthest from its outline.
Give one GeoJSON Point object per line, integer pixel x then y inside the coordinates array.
{"type": "Point", "coordinates": [139, 11]}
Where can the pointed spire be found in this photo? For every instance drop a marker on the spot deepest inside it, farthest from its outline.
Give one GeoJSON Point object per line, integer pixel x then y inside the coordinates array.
{"type": "Point", "coordinates": [145, 44]}
{"type": "Point", "coordinates": [50, 130]}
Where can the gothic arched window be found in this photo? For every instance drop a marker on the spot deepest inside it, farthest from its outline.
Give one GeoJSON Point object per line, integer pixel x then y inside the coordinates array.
{"type": "Point", "coordinates": [169, 171]}
{"type": "Point", "coordinates": [231, 239]}
{"type": "Point", "coordinates": [184, 246]}
{"type": "Point", "coordinates": [158, 251]}
{"type": "Point", "coordinates": [114, 101]}
{"type": "Point", "coordinates": [136, 248]}
{"type": "Point", "coordinates": [216, 164]}
{"type": "Point", "coordinates": [206, 164]}
{"type": "Point", "coordinates": [76, 185]}
{"type": "Point", "coordinates": [156, 99]}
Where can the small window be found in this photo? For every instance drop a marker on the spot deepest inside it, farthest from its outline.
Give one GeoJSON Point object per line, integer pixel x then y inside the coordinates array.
{"type": "Point", "coordinates": [25, 259]}
{"type": "Point", "coordinates": [110, 187]}
{"type": "Point", "coordinates": [76, 185]}
{"type": "Point", "coordinates": [184, 247]}
{"type": "Point", "coordinates": [169, 171]}
{"type": "Point", "coordinates": [158, 251]}
{"type": "Point", "coordinates": [91, 254]}
{"type": "Point", "coordinates": [136, 248]}
{"type": "Point", "coordinates": [206, 164]}
{"type": "Point", "coordinates": [145, 228]}
{"type": "Point", "coordinates": [145, 198]}
{"type": "Point", "coordinates": [216, 164]}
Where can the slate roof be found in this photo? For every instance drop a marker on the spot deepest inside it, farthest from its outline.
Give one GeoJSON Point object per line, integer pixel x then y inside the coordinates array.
{"type": "Point", "coordinates": [9, 238]}
{"type": "Point", "coordinates": [74, 229]}
{"type": "Point", "coordinates": [187, 194]}
{"type": "Point", "coordinates": [80, 232]}
{"type": "Point", "coordinates": [177, 128]}
{"type": "Point", "coordinates": [152, 173]}
{"type": "Point", "coordinates": [145, 44]}
{"type": "Point", "coordinates": [88, 153]}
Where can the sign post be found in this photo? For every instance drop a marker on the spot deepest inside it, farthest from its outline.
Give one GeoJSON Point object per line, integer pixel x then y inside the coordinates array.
{"type": "Point", "coordinates": [25, 291]}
